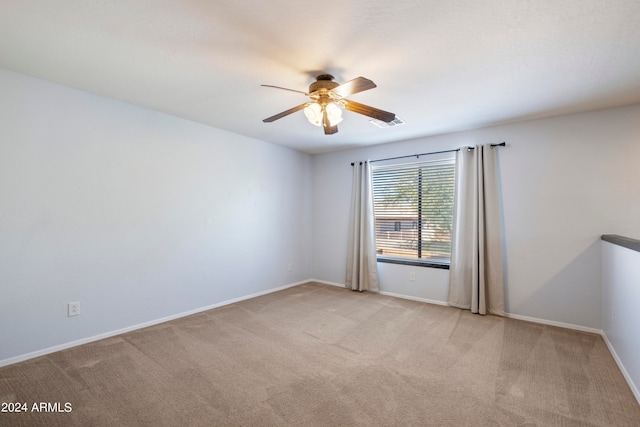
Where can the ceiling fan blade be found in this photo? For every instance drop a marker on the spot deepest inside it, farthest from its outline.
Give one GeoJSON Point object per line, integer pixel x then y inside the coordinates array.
{"type": "Point", "coordinates": [359, 84]}
{"type": "Point", "coordinates": [328, 129]}
{"type": "Point", "coordinates": [284, 88]}
{"type": "Point", "coordinates": [375, 113]}
{"type": "Point", "coordinates": [285, 113]}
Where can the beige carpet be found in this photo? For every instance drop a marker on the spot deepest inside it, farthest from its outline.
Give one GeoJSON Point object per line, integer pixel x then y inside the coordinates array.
{"type": "Point", "coordinates": [317, 355]}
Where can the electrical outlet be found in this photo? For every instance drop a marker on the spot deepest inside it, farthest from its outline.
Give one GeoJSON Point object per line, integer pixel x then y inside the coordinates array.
{"type": "Point", "coordinates": [412, 276]}
{"type": "Point", "coordinates": [289, 267]}
{"type": "Point", "coordinates": [73, 309]}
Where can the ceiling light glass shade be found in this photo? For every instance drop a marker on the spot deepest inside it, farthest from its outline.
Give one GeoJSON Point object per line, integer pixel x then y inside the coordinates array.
{"type": "Point", "coordinates": [334, 113]}
{"type": "Point", "coordinates": [314, 113]}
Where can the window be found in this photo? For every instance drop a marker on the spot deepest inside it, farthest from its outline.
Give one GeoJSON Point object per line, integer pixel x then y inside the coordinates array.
{"type": "Point", "coordinates": [413, 205]}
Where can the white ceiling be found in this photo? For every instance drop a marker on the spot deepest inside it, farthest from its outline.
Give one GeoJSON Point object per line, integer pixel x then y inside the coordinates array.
{"type": "Point", "coordinates": [441, 65]}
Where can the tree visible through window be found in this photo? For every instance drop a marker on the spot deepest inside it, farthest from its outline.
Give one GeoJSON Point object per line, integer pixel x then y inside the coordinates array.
{"type": "Point", "coordinates": [413, 206]}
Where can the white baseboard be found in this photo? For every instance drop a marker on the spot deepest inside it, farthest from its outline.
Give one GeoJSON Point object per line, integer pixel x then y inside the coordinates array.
{"type": "Point", "coordinates": [428, 301]}
{"type": "Point", "coordinates": [554, 323]}
{"type": "Point", "coordinates": [389, 294]}
{"type": "Point", "coordinates": [324, 282]}
{"type": "Point", "coordinates": [612, 350]}
{"type": "Point", "coordinates": [87, 340]}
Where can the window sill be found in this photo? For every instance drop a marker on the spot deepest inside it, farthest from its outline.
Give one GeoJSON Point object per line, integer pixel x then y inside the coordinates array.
{"type": "Point", "coordinates": [417, 263]}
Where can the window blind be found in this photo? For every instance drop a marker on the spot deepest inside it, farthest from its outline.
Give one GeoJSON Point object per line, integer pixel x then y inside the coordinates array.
{"type": "Point", "coordinates": [413, 205]}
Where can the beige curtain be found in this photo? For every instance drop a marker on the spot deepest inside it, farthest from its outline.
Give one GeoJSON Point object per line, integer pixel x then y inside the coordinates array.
{"type": "Point", "coordinates": [476, 275]}
{"type": "Point", "coordinates": [362, 269]}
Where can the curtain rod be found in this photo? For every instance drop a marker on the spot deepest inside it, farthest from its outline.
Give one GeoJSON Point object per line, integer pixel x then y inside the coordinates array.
{"type": "Point", "coordinates": [502, 144]}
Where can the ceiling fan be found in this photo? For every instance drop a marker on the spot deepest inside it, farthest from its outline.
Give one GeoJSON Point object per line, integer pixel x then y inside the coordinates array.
{"type": "Point", "coordinates": [327, 102]}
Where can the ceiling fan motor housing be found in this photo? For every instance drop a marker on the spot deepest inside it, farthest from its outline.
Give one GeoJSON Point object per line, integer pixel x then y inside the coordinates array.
{"type": "Point", "coordinates": [323, 81]}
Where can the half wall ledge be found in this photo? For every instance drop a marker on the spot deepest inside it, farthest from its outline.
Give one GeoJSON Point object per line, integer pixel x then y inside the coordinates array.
{"type": "Point", "coordinates": [626, 242]}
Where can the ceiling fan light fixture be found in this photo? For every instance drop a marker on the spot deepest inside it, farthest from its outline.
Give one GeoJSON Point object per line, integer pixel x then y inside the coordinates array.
{"type": "Point", "coordinates": [313, 112]}
{"type": "Point", "coordinates": [334, 113]}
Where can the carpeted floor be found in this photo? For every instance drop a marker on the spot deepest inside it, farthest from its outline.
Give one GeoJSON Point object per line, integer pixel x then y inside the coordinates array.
{"type": "Point", "coordinates": [316, 355]}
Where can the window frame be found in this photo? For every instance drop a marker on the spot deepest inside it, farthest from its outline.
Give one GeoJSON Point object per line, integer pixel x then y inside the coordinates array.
{"type": "Point", "coordinates": [419, 262]}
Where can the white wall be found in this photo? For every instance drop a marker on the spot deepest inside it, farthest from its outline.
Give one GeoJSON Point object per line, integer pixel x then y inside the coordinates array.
{"type": "Point", "coordinates": [135, 214]}
{"type": "Point", "coordinates": [565, 181]}
{"type": "Point", "coordinates": [620, 314]}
